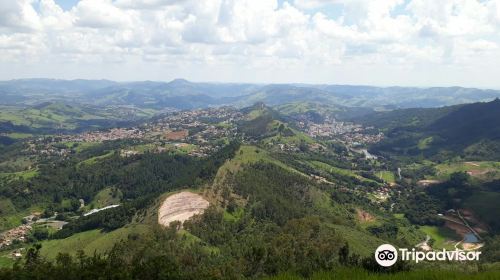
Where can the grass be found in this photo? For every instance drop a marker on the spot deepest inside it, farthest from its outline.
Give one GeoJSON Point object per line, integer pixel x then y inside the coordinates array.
{"type": "Point", "coordinates": [335, 170]}
{"type": "Point", "coordinates": [360, 274]}
{"type": "Point", "coordinates": [20, 175]}
{"type": "Point", "coordinates": [6, 261]}
{"type": "Point", "coordinates": [255, 114]}
{"type": "Point", "coordinates": [441, 235]}
{"type": "Point", "coordinates": [105, 198]}
{"type": "Point", "coordinates": [189, 239]}
{"type": "Point", "coordinates": [94, 160]}
{"type": "Point", "coordinates": [303, 107]}
{"type": "Point", "coordinates": [7, 207]}
{"type": "Point", "coordinates": [399, 216]}
{"type": "Point", "coordinates": [360, 242]}
{"type": "Point", "coordinates": [387, 176]}
{"type": "Point", "coordinates": [297, 137]}
{"type": "Point", "coordinates": [18, 135]}
{"type": "Point", "coordinates": [445, 169]}
{"type": "Point", "coordinates": [424, 143]}
{"type": "Point", "coordinates": [14, 219]}
{"type": "Point", "coordinates": [248, 155]}
{"type": "Point", "coordinates": [89, 241]}
{"type": "Point", "coordinates": [235, 216]}
{"type": "Point", "coordinates": [80, 146]}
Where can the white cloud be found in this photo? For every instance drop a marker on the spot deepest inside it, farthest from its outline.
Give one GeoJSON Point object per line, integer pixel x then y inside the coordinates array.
{"type": "Point", "coordinates": [253, 37]}
{"type": "Point", "coordinates": [19, 16]}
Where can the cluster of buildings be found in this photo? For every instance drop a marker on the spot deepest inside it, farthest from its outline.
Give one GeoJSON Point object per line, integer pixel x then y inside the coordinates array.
{"type": "Point", "coordinates": [201, 128]}
{"type": "Point", "coordinates": [107, 135]}
{"type": "Point", "coordinates": [19, 233]}
{"type": "Point", "coordinates": [330, 127]}
{"type": "Point", "coordinates": [348, 133]}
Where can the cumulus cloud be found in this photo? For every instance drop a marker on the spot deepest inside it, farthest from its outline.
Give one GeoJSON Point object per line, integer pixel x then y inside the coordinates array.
{"type": "Point", "coordinates": [18, 16]}
{"type": "Point", "coordinates": [260, 36]}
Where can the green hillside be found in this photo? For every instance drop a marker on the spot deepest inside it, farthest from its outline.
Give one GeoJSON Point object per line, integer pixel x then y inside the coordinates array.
{"type": "Point", "coordinates": [471, 130]}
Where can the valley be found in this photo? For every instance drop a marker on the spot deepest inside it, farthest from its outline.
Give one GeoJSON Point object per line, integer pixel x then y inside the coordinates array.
{"type": "Point", "coordinates": [247, 191]}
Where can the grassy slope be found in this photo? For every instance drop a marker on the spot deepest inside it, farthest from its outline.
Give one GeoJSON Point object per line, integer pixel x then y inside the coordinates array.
{"type": "Point", "coordinates": [24, 175]}
{"type": "Point", "coordinates": [441, 235]}
{"type": "Point", "coordinates": [356, 273]}
{"type": "Point", "coordinates": [361, 242]}
{"type": "Point", "coordinates": [445, 169]}
{"type": "Point", "coordinates": [387, 176]}
{"type": "Point", "coordinates": [248, 155]}
{"type": "Point", "coordinates": [332, 169]}
{"type": "Point", "coordinates": [89, 241]}
{"type": "Point", "coordinates": [94, 160]}
{"type": "Point", "coordinates": [14, 218]}
{"type": "Point", "coordinates": [105, 198]}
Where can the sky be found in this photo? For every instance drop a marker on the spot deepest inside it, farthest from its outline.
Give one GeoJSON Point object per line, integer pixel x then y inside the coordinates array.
{"type": "Point", "coordinates": [383, 42]}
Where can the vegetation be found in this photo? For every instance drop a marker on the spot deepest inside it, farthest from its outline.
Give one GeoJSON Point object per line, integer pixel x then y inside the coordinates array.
{"type": "Point", "coordinates": [303, 213]}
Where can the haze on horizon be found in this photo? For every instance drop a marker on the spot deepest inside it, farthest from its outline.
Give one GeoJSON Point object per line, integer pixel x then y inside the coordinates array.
{"type": "Point", "coordinates": [387, 42]}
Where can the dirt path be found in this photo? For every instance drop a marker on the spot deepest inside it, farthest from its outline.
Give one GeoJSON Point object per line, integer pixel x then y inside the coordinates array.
{"type": "Point", "coordinates": [180, 207]}
{"type": "Point", "coordinates": [424, 245]}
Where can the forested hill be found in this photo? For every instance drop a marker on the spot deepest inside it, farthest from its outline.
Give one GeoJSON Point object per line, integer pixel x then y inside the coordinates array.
{"type": "Point", "coordinates": [472, 130]}
{"type": "Point", "coordinates": [470, 123]}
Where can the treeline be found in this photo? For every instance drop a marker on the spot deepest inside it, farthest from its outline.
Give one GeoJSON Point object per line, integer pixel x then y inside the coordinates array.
{"type": "Point", "coordinates": [154, 175]}
{"type": "Point", "coordinates": [134, 176]}
{"type": "Point", "coordinates": [303, 247]}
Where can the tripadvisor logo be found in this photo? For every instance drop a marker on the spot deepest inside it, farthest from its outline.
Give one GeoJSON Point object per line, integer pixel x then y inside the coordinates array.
{"type": "Point", "coordinates": [387, 255]}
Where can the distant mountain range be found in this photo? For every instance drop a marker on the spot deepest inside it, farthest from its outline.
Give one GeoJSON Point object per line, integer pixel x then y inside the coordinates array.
{"type": "Point", "coordinates": [182, 94]}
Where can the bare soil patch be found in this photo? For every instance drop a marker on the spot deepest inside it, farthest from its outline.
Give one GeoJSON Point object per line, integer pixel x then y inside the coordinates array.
{"type": "Point", "coordinates": [364, 216]}
{"type": "Point", "coordinates": [177, 135]}
{"type": "Point", "coordinates": [181, 207]}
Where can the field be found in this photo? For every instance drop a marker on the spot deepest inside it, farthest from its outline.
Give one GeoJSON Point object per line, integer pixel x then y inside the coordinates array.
{"type": "Point", "coordinates": [335, 170]}
{"type": "Point", "coordinates": [94, 160]}
{"type": "Point", "coordinates": [12, 218]}
{"type": "Point", "coordinates": [297, 137]}
{"type": "Point", "coordinates": [441, 235]}
{"type": "Point", "coordinates": [387, 176]}
{"type": "Point", "coordinates": [360, 274]}
{"type": "Point", "coordinates": [79, 146]}
{"type": "Point", "coordinates": [425, 143]}
{"type": "Point", "coordinates": [105, 198]}
{"type": "Point", "coordinates": [360, 242]}
{"type": "Point", "coordinates": [89, 241]}
{"type": "Point", "coordinates": [24, 175]}
{"type": "Point", "coordinates": [486, 170]}
{"type": "Point", "coordinates": [6, 260]}
{"type": "Point", "coordinates": [248, 155]}
{"type": "Point", "coordinates": [18, 135]}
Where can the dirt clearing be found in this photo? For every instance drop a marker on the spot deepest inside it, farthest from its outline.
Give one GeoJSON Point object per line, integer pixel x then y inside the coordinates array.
{"type": "Point", "coordinates": [364, 216]}
{"type": "Point", "coordinates": [180, 207]}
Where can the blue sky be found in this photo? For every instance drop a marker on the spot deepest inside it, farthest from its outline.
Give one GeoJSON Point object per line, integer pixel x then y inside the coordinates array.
{"type": "Point", "coordinates": [383, 42]}
{"type": "Point", "coordinates": [67, 4]}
